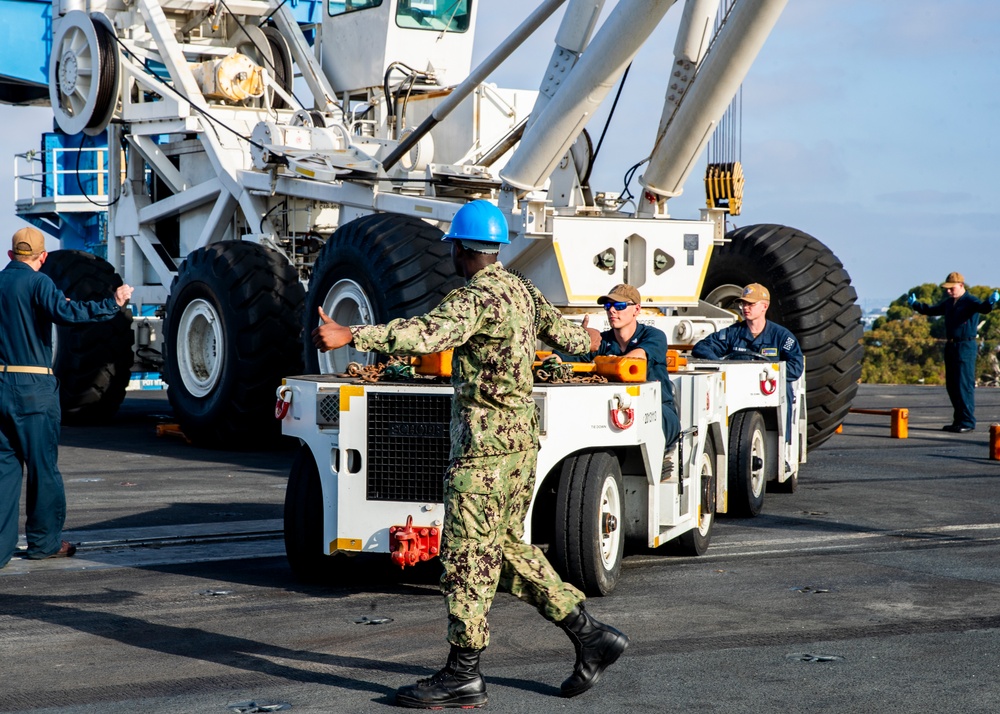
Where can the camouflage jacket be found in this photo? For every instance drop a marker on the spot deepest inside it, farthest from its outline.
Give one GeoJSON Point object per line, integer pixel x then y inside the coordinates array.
{"type": "Point", "coordinates": [492, 323]}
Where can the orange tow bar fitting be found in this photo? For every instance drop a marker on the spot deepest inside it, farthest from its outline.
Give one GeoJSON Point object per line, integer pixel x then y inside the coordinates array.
{"type": "Point", "coordinates": [899, 420]}
{"type": "Point", "coordinates": [411, 545]}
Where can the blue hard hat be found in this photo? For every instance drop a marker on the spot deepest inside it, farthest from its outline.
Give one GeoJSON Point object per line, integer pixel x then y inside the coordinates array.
{"type": "Point", "coordinates": [479, 221]}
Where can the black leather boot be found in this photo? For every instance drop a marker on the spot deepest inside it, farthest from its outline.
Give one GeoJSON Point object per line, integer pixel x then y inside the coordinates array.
{"type": "Point", "coordinates": [458, 685]}
{"type": "Point", "coordinates": [597, 647]}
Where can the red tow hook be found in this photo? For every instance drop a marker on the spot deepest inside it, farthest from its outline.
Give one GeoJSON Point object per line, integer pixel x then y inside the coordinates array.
{"type": "Point", "coordinates": [411, 545]}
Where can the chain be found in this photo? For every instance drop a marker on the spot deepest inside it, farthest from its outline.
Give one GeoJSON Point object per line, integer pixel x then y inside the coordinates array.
{"type": "Point", "coordinates": [562, 373]}
{"type": "Point", "coordinates": [396, 369]}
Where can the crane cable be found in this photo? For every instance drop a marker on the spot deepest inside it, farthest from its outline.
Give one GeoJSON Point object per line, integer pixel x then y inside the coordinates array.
{"type": "Point", "coordinates": [614, 105]}
{"type": "Point", "coordinates": [107, 87]}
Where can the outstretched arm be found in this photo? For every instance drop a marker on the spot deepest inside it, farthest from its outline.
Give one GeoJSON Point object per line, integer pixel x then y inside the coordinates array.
{"type": "Point", "coordinates": [563, 334]}
{"type": "Point", "coordinates": [63, 311]}
{"type": "Point", "coordinates": [991, 301]}
{"type": "Point", "coordinates": [924, 309]}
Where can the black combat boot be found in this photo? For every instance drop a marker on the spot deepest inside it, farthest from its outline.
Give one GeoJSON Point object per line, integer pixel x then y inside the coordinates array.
{"type": "Point", "coordinates": [458, 685]}
{"type": "Point", "coordinates": [597, 647]}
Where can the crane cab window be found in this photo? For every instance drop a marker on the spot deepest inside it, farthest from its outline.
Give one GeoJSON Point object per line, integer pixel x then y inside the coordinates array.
{"type": "Point", "coordinates": [339, 7]}
{"type": "Point", "coordinates": [438, 15]}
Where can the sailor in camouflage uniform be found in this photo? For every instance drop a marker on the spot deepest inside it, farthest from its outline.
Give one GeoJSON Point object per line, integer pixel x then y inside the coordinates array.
{"type": "Point", "coordinates": [492, 324]}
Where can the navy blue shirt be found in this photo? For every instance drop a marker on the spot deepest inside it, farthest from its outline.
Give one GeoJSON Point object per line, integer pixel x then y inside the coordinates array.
{"type": "Point", "coordinates": [961, 316]}
{"type": "Point", "coordinates": [29, 305]}
{"type": "Point", "coordinates": [773, 343]}
{"type": "Point", "coordinates": [653, 342]}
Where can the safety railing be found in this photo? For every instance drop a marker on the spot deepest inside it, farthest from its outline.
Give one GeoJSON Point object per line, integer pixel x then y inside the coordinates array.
{"type": "Point", "coordinates": [61, 173]}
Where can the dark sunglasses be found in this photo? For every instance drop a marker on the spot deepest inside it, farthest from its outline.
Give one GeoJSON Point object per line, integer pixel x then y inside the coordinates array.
{"type": "Point", "coordinates": [619, 306]}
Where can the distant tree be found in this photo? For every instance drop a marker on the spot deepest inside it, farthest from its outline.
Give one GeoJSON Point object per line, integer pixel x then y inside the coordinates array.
{"type": "Point", "coordinates": [904, 347]}
{"type": "Point", "coordinates": [987, 367]}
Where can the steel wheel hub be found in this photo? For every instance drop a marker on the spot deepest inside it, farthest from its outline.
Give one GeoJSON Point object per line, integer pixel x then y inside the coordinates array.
{"type": "Point", "coordinates": [348, 304]}
{"type": "Point", "coordinates": [200, 348]}
{"type": "Point", "coordinates": [611, 508]}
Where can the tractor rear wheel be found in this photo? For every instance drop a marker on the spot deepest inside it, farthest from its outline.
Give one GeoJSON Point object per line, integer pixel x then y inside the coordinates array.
{"type": "Point", "coordinates": [589, 540]}
{"type": "Point", "coordinates": [304, 519]}
{"type": "Point", "coordinates": [749, 465]}
{"type": "Point", "coordinates": [695, 542]}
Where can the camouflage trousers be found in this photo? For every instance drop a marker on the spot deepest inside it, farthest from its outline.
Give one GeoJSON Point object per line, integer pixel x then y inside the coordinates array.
{"type": "Point", "coordinates": [482, 550]}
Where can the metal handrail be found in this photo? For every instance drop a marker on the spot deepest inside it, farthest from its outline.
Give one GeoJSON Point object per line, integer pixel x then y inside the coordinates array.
{"type": "Point", "coordinates": [35, 181]}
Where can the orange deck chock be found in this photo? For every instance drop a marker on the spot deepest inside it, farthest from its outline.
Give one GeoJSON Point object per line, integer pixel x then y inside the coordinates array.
{"type": "Point", "coordinates": [899, 420]}
{"type": "Point", "coordinates": [620, 369]}
{"type": "Point", "coordinates": [437, 364]}
{"type": "Point", "coordinates": [411, 545]}
{"type": "Point", "coordinates": [171, 430]}
{"type": "Point", "coordinates": [612, 367]}
{"type": "Point", "coordinates": [995, 442]}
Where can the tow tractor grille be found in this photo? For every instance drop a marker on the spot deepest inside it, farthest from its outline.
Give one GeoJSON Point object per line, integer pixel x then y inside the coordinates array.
{"type": "Point", "coordinates": [408, 444]}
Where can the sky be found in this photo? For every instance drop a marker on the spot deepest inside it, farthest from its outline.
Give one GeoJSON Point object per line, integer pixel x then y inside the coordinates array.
{"type": "Point", "coordinates": [869, 125]}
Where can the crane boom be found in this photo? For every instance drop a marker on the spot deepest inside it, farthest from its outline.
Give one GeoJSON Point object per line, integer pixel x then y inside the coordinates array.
{"type": "Point", "coordinates": [720, 75]}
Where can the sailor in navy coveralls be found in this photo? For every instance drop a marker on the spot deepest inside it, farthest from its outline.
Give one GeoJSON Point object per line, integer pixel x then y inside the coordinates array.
{"type": "Point", "coordinates": [29, 396]}
{"type": "Point", "coordinates": [756, 338]}
{"type": "Point", "coordinates": [961, 312]}
{"type": "Point", "coordinates": [630, 338]}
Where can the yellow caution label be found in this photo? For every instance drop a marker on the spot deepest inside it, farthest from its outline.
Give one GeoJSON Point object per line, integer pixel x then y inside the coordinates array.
{"type": "Point", "coordinates": [342, 544]}
{"type": "Point", "coordinates": [348, 391]}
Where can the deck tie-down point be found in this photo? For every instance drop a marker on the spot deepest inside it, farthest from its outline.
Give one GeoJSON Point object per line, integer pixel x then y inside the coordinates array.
{"type": "Point", "coordinates": [411, 545]}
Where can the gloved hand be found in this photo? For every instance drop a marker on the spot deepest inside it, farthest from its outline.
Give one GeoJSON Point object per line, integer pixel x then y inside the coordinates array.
{"type": "Point", "coordinates": [994, 298]}
{"type": "Point", "coordinates": [911, 300]}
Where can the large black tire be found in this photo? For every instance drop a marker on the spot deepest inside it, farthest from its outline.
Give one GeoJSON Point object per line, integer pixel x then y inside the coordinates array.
{"type": "Point", "coordinates": [304, 520]}
{"type": "Point", "coordinates": [811, 295]}
{"type": "Point", "coordinates": [696, 541]}
{"type": "Point", "coordinates": [589, 538]}
{"type": "Point", "coordinates": [232, 331]}
{"type": "Point", "coordinates": [749, 465]}
{"type": "Point", "coordinates": [372, 270]}
{"type": "Point", "coordinates": [93, 361]}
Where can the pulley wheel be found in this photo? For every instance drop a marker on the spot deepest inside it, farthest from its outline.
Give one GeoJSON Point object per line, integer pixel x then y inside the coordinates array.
{"type": "Point", "coordinates": [84, 71]}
